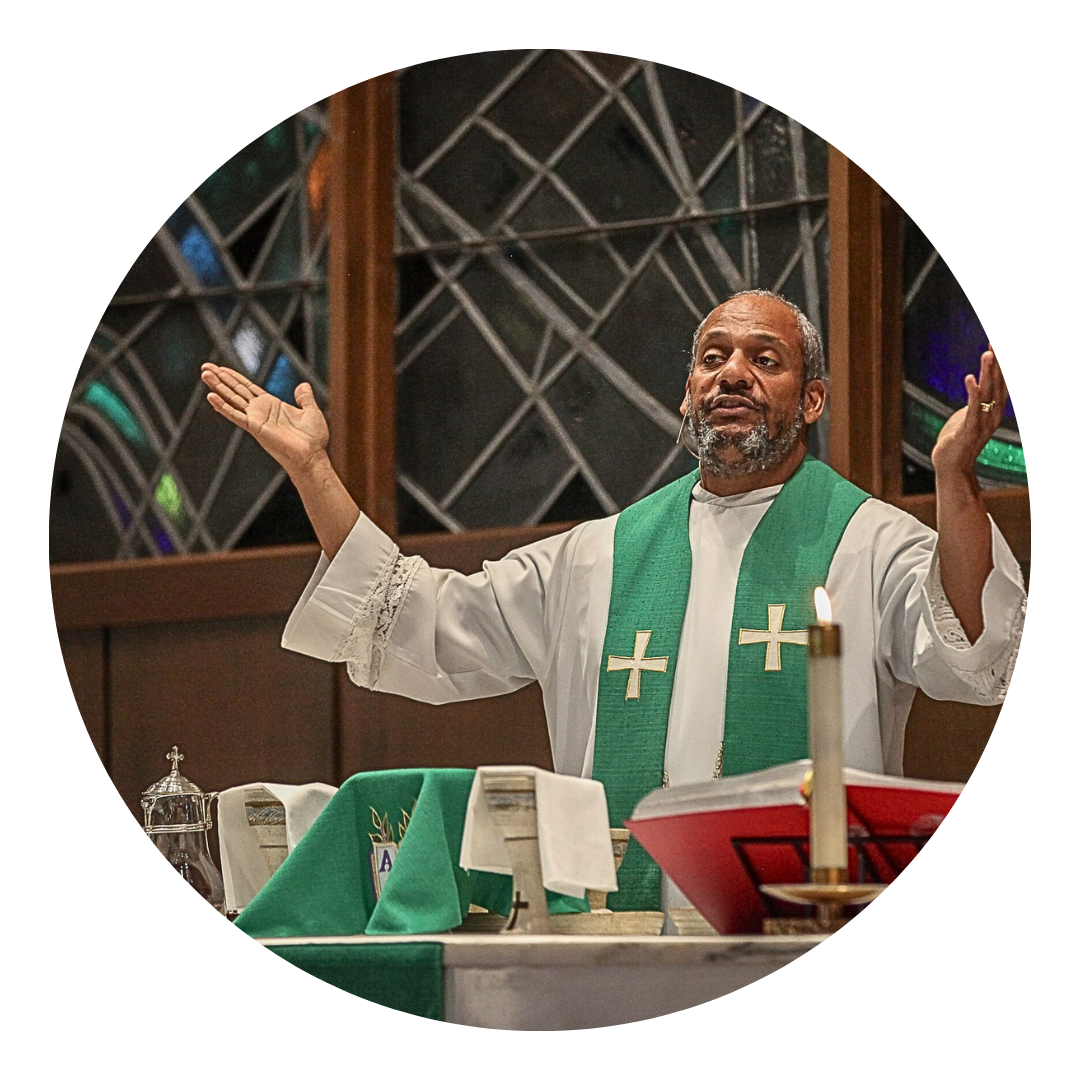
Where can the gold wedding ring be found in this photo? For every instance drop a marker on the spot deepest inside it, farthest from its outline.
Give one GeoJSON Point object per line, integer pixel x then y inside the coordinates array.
{"type": "Point", "coordinates": [988, 406]}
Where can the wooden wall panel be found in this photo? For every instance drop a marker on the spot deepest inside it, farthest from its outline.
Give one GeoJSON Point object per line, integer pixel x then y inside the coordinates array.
{"type": "Point", "coordinates": [383, 731]}
{"type": "Point", "coordinates": [84, 654]}
{"type": "Point", "coordinates": [950, 740]}
{"type": "Point", "coordinates": [239, 706]}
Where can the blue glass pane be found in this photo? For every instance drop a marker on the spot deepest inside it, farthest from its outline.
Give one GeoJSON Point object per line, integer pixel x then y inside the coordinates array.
{"type": "Point", "coordinates": [282, 380]}
{"type": "Point", "coordinates": [943, 339]}
{"type": "Point", "coordinates": [203, 259]}
{"type": "Point", "coordinates": [123, 511]}
{"type": "Point", "coordinates": [161, 538]}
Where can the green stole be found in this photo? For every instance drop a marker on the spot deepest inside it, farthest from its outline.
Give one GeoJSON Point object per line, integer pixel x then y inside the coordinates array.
{"type": "Point", "coordinates": [788, 554]}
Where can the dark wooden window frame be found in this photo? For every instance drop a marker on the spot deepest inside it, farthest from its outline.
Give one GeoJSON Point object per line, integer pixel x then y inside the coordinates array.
{"type": "Point", "coordinates": [865, 394]}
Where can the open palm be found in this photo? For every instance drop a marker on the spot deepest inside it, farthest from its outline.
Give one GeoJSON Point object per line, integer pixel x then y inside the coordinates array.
{"type": "Point", "coordinates": [291, 434]}
{"type": "Point", "coordinates": [967, 431]}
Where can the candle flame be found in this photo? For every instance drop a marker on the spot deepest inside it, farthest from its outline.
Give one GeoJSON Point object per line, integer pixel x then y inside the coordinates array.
{"type": "Point", "coordinates": [823, 605]}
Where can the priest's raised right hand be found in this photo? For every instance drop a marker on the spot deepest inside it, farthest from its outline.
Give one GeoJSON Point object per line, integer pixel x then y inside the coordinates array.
{"type": "Point", "coordinates": [295, 436]}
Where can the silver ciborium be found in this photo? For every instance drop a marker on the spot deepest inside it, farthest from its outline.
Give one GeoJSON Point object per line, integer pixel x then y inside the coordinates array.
{"type": "Point", "coordinates": [176, 816]}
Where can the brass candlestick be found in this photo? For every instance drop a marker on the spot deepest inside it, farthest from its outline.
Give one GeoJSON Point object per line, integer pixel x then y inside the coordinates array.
{"type": "Point", "coordinates": [829, 891]}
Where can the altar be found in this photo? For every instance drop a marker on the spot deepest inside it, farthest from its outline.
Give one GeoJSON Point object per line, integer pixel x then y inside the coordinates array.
{"type": "Point", "coordinates": [489, 982]}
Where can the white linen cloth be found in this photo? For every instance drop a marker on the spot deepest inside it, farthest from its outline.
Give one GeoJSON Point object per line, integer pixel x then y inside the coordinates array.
{"type": "Point", "coordinates": [571, 826]}
{"type": "Point", "coordinates": [244, 867]}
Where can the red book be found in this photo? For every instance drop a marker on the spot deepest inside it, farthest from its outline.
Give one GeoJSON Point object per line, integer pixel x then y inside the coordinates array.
{"type": "Point", "coordinates": [719, 840]}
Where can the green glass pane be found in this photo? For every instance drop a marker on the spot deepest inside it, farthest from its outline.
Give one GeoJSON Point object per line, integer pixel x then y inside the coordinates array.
{"type": "Point", "coordinates": [167, 496]}
{"type": "Point", "coordinates": [113, 415]}
{"type": "Point", "coordinates": [234, 190]}
{"type": "Point", "coordinates": [105, 400]}
{"type": "Point", "coordinates": [1000, 460]}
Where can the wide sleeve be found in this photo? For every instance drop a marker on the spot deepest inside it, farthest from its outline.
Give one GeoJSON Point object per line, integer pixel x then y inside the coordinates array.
{"type": "Point", "coordinates": [405, 627]}
{"type": "Point", "coordinates": [921, 638]}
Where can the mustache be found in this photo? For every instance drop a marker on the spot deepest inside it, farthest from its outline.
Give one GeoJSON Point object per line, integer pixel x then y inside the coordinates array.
{"type": "Point", "coordinates": [713, 401]}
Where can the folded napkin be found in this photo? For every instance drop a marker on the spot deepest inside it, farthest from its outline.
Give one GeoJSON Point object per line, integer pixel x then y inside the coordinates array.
{"type": "Point", "coordinates": [258, 825]}
{"type": "Point", "coordinates": [572, 826]}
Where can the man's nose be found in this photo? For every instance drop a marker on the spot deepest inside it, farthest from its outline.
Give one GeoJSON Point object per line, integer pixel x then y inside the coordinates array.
{"type": "Point", "coordinates": [736, 372]}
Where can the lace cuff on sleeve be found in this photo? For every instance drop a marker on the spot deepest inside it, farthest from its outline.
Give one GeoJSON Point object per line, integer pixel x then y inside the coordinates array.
{"type": "Point", "coordinates": [364, 643]}
{"type": "Point", "coordinates": [989, 682]}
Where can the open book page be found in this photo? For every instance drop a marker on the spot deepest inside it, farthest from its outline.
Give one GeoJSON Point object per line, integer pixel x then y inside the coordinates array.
{"type": "Point", "coordinates": [778, 786]}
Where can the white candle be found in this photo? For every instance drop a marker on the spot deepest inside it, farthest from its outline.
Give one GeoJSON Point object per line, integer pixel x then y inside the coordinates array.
{"type": "Point", "coordinates": [828, 799]}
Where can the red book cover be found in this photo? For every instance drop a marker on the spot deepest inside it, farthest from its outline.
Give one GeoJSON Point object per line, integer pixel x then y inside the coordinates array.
{"type": "Point", "coordinates": [718, 841]}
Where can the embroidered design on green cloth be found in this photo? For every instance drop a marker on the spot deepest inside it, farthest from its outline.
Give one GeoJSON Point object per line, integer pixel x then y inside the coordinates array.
{"type": "Point", "coordinates": [637, 663]}
{"type": "Point", "coordinates": [384, 848]}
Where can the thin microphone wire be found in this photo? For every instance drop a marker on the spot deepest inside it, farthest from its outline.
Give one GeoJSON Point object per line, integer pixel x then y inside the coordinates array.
{"type": "Point", "coordinates": [683, 437]}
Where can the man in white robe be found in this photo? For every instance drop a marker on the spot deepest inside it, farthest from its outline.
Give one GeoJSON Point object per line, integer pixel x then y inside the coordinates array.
{"type": "Point", "coordinates": [942, 612]}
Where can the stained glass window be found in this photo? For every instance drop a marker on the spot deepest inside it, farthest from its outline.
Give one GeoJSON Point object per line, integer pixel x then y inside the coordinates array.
{"type": "Point", "coordinates": [943, 340]}
{"type": "Point", "coordinates": [236, 276]}
{"type": "Point", "coordinates": [565, 220]}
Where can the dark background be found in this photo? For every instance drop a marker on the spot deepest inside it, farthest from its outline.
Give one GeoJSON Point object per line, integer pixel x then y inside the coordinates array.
{"type": "Point", "coordinates": [104, 144]}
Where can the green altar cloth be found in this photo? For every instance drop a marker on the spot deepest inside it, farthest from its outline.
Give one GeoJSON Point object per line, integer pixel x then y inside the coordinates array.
{"type": "Point", "coordinates": [325, 888]}
{"type": "Point", "coordinates": [326, 885]}
{"type": "Point", "coordinates": [159, 979]}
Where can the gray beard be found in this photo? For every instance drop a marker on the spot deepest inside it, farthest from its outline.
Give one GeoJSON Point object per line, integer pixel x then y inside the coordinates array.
{"type": "Point", "coordinates": [757, 449]}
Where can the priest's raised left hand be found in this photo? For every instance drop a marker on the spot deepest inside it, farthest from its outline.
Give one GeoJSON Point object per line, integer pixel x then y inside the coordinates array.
{"type": "Point", "coordinates": [964, 537]}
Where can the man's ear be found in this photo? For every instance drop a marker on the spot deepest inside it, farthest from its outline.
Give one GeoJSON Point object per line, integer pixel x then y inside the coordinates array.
{"type": "Point", "coordinates": [814, 394]}
{"type": "Point", "coordinates": [686, 398]}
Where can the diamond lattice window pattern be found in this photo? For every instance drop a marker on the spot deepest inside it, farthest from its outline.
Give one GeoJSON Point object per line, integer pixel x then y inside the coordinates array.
{"type": "Point", "coordinates": [565, 220]}
{"type": "Point", "coordinates": [236, 276]}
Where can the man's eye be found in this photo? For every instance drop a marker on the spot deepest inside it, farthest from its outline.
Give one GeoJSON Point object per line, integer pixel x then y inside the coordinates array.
{"type": "Point", "coordinates": [765, 361]}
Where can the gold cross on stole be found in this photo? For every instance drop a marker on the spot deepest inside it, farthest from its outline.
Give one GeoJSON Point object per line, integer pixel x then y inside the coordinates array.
{"type": "Point", "coordinates": [774, 637]}
{"type": "Point", "coordinates": [638, 663]}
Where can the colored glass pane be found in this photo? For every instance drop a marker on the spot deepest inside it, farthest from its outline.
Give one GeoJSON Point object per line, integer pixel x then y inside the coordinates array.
{"type": "Point", "coordinates": [100, 397]}
{"type": "Point", "coordinates": [236, 276]}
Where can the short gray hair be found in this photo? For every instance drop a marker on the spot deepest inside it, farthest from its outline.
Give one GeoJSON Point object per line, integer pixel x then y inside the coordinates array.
{"type": "Point", "coordinates": [813, 352]}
